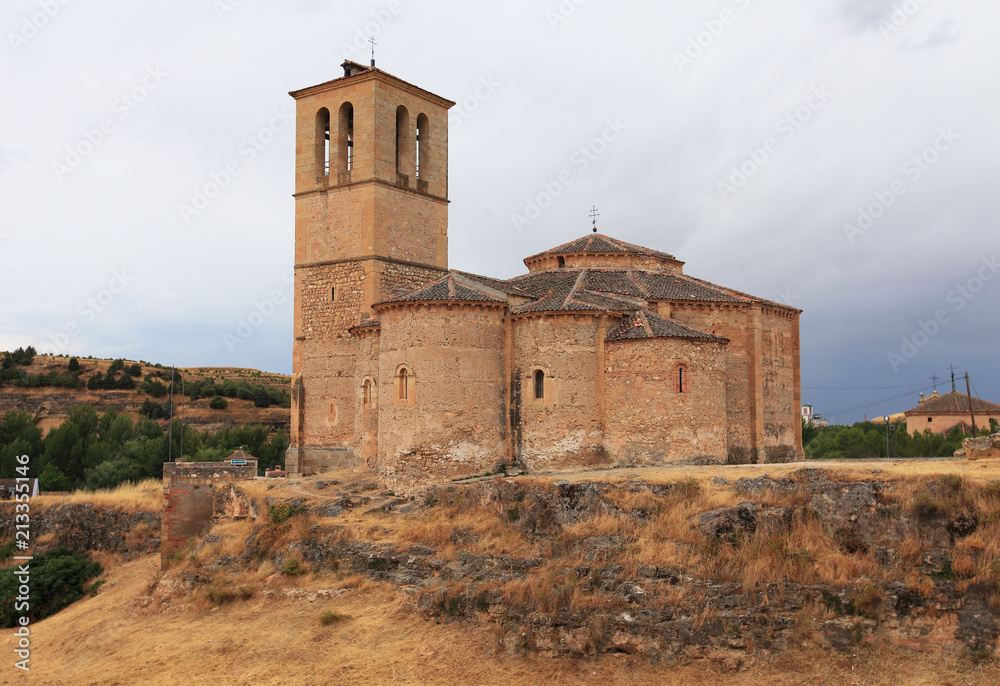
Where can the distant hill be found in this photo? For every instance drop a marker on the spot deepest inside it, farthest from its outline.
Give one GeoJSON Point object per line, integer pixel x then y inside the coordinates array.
{"type": "Point", "coordinates": [29, 387]}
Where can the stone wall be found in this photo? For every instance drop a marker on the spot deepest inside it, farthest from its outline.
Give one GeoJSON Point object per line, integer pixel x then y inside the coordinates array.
{"type": "Point", "coordinates": [366, 413]}
{"type": "Point", "coordinates": [452, 422]}
{"type": "Point", "coordinates": [563, 429]}
{"type": "Point", "coordinates": [647, 420]}
{"type": "Point", "coordinates": [189, 489]}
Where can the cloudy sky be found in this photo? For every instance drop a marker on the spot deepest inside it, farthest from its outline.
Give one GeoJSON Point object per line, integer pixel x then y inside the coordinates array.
{"type": "Point", "coordinates": [836, 155]}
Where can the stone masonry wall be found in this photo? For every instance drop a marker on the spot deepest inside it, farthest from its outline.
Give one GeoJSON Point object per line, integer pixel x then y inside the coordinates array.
{"type": "Point", "coordinates": [366, 414]}
{"type": "Point", "coordinates": [781, 413]}
{"type": "Point", "coordinates": [732, 323]}
{"type": "Point", "coordinates": [564, 428]}
{"type": "Point", "coordinates": [452, 424]}
{"type": "Point", "coordinates": [647, 420]}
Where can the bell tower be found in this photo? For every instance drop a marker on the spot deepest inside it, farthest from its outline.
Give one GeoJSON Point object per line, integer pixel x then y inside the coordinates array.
{"type": "Point", "coordinates": [371, 219]}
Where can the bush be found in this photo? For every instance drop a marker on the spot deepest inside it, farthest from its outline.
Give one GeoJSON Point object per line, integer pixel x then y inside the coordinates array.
{"type": "Point", "coordinates": [293, 568]}
{"type": "Point", "coordinates": [282, 513]}
{"type": "Point", "coordinates": [57, 580]}
{"type": "Point", "coordinates": [330, 617]}
{"type": "Point", "coordinates": [152, 387]}
{"type": "Point", "coordinates": [74, 364]}
{"type": "Point", "coordinates": [218, 403]}
{"type": "Point", "coordinates": [135, 370]}
{"type": "Point", "coordinates": [116, 366]}
{"type": "Point", "coordinates": [261, 398]}
{"type": "Point", "coordinates": [52, 479]}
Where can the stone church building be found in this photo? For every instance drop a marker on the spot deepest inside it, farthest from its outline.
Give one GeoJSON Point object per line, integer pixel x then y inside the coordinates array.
{"type": "Point", "coordinates": [604, 353]}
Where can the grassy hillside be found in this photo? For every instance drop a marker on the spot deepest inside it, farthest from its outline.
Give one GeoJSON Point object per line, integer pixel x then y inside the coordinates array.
{"type": "Point", "coordinates": [49, 404]}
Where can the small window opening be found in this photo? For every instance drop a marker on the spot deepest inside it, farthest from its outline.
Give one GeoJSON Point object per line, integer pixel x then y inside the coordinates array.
{"type": "Point", "coordinates": [404, 385]}
{"type": "Point", "coordinates": [562, 261]}
{"type": "Point", "coordinates": [680, 380]}
{"type": "Point", "coordinates": [930, 419]}
{"type": "Point", "coordinates": [333, 293]}
{"type": "Point", "coordinates": [539, 384]}
{"type": "Point", "coordinates": [402, 140]}
{"type": "Point", "coordinates": [366, 393]}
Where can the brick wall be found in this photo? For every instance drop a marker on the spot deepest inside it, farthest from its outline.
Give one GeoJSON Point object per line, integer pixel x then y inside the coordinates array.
{"type": "Point", "coordinates": [190, 489]}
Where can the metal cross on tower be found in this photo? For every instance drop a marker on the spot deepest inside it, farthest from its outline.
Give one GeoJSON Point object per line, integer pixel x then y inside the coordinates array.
{"type": "Point", "coordinates": [372, 41]}
{"type": "Point", "coordinates": [952, 369]}
{"type": "Point", "coordinates": [935, 379]}
{"type": "Point", "coordinates": [594, 214]}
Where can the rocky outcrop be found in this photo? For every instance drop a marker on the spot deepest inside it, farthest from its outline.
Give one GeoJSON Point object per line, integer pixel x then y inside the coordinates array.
{"type": "Point", "coordinates": [82, 527]}
{"type": "Point", "coordinates": [982, 448]}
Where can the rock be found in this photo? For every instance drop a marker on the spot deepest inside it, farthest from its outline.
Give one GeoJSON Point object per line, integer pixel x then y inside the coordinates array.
{"type": "Point", "coordinates": [983, 447]}
{"type": "Point", "coordinates": [728, 520]}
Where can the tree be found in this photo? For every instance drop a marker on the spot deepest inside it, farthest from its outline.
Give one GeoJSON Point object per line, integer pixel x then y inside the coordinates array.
{"type": "Point", "coordinates": [52, 479]}
{"type": "Point", "coordinates": [74, 364]}
{"type": "Point", "coordinates": [116, 366]}
{"type": "Point", "coordinates": [218, 403]}
{"type": "Point", "coordinates": [135, 370]}
{"type": "Point", "coordinates": [261, 398]}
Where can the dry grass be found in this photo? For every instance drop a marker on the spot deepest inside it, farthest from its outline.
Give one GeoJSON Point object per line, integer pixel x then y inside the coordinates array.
{"type": "Point", "coordinates": [145, 496]}
{"type": "Point", "coordinates": [251, 641]}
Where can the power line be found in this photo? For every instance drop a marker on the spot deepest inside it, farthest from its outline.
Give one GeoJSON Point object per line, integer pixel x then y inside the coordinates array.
{"type": "Point", "coordinates": [869, 388]}
{"type": "Point", "coordinates": [869, 404]}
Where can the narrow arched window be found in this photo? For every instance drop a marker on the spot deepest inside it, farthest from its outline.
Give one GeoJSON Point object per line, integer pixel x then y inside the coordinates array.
{"type": "Point", "coordinates": [539, 384]}
{"type": "Point", "coordinates": [404, 384]}
{"type": "Point", "coordinates": [682, 379]}
{"type": "Point", "coordinates": [345, 138]}
{"type": "Point", "coordinates": [562, 262]}
{"type": "Point", "coordinates": [323, 142]}
{"type": "Point", "coordinates": [404, 154]}
{"type": "Point", "coordinates": [366, 393]}
{"type": "Point", "coordinates": [423, 146]}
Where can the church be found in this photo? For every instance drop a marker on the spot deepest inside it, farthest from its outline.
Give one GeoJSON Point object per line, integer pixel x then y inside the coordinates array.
{"type": "Point", "coordinates": [603, 354]}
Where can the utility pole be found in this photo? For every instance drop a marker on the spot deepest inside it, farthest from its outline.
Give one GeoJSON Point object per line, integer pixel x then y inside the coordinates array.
{"type": "Point", "coordinates": [182, 414]}
{"type": "Point", "coordinates": [887, 437]}
{"type": "Point", "coordinates": [170, 431]}
{"type": "Point", "coordinates": [972, 411]}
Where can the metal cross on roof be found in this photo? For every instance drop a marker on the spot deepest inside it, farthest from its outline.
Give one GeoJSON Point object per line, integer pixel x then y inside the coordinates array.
{"type": "Point", "coordinates": [935, 379]}
{"type": "Point", "coordinates": [371, 40]}
{"type": "Point", "coordinates": [952, 368]}
{"type": "Point", "coordinates": [594, 214]}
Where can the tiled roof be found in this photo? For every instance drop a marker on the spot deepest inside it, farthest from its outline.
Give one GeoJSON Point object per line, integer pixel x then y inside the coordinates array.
{"type": "Point", "coordinates": [372, 323]}
{"type": "Point", "coordinates": [564, 290]}
{"type": "Point", "coordinates": [954, 403]}
{"type": "Point", "coordinates": [599, 243]}
{"type": "Point", "coordinates": [451, 287]}
{"type": "Point", "coordinates": [499, 284]}
{"type": "Point", "coordinates": [646, 324]}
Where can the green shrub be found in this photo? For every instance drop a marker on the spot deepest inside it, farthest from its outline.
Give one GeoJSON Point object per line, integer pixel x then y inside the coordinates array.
{"type": "Point", "coordinates": [57, 580]}
{"type": "Point", "coordinates": [330, 617]}
{"type": "Point", "coordinates": [218, 403]}
{"type": "Point", "coordinates": [282, 513]}
{"type": "Point", "coordinates": [293, 568]}
{"type": "Point", "coordinates": [74, 364]}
